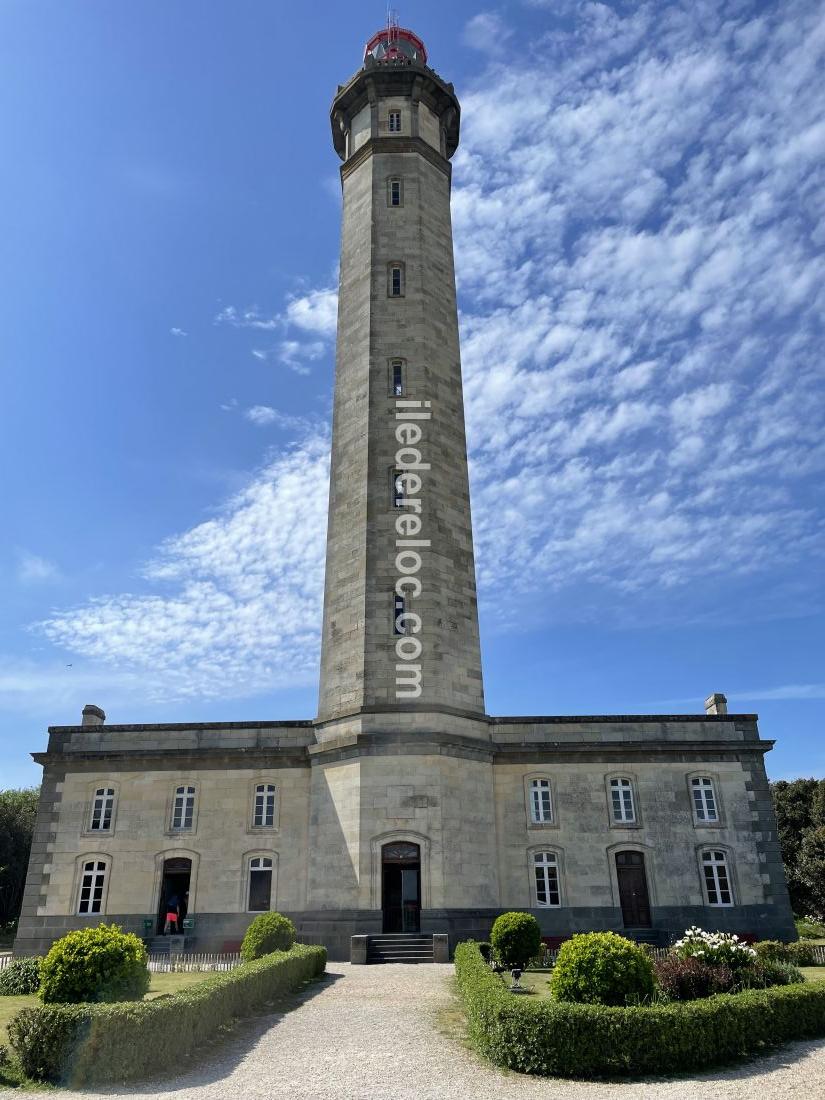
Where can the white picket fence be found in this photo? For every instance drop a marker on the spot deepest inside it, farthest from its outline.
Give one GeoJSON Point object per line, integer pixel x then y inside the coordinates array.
{"type": "Point", "coordinates": [162, 962]}
{"type": "Point", "coordinates": [4, 961]}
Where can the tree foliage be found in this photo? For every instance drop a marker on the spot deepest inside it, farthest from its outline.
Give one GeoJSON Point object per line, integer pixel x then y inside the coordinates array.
{"type": "Point", "coordinates": [810, 868]}
{"type": "Point", "coordinates": [800, 809]}
{"type": "Point", "coordinates": [18, 809]}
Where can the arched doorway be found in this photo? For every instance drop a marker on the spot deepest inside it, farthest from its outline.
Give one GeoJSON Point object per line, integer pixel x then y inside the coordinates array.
{"type": "Point", "coordinates": [633, 894]}
{"type": "Point", "coordinates": [174, 890]}
{"type": "Point", "coordinates": [401, 886]}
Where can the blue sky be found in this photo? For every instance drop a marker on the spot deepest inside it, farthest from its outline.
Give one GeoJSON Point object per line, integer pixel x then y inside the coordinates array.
{"type": "Point", "coordinates": [639, 244]}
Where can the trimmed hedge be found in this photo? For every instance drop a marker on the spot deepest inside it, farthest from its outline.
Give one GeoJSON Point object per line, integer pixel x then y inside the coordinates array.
{"type": "Point", "coordinates": [268, 932]}
{"type": "Point", "coordinates": [20, 977]}
{"type": "Point", "coordinates": [83, 1044]}
{"type": "Point", "coordinates": [577, 1040]}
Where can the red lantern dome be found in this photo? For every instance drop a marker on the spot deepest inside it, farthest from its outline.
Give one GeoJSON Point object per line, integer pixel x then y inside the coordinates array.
{"type": "Point", "coordinates": [395, 44]}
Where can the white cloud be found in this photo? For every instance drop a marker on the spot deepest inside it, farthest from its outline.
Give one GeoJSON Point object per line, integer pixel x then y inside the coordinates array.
{"type": "Point", "coordinates": [487, 32]}
{"type": "Point", "coordinates": [315, 312]}
{"type": "Point", "coordinates": [264, 415]}
{"type": "Point", "coordinates": [314, 315]}
{"type": "Point", "coordinates": [178, 332]}
{"type": "Point", "coordinates": [33, 569]}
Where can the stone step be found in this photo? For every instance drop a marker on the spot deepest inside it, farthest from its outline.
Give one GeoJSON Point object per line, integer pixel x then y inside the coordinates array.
{"type": "Point", "coordinates": [422, 957]}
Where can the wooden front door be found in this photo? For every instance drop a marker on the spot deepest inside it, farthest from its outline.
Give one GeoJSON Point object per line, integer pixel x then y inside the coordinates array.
{"type": "Point", "coordinates": [633, 895]}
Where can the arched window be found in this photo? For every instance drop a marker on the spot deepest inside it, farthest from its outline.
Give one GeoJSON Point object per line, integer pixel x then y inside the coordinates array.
{"type": "Point", "coordinates": [103, 803]}
{"type": "Point", "coordinates": [541, 801]}
{"type": "Point", "coordinates": [622, 801]}
{"type": "Point", "coordinates": [546, 872]}
{"type": "Point", "coordinates": [717, 877]}
{"type": "Point", "coordinates": [705, 802]}
{"type": "Point", "coordinates": [263, 816]}
{"type": "Point", "coordinates": [183, 808]}
{"type": "Point", "coordinates": [92, 885]}
{"type": "Point", "coordinates": [260, 884]}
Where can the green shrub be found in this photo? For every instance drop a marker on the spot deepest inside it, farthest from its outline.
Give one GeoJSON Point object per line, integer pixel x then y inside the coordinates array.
{"type": "Point", "coordinates": [82, 1044]}
{"type": "Point", "coordinates": [95, 964]}
{"type": "Point", "coordinates": [515, 938]}
{"type": "Point", "coordinates": [802, 954]}
{"type": "Point", "coordinates": [20, 977]}
{"type": "Point", "coordinates": [798, 954]}
{"type": "Point", "coordinates": [601, 968]}
{"type": "Point", "coordinates": [690, 979]}
{"type": "Point", "coordinates": [809, 928]}
{"type": "Point", "coordinates": [554, 1038]}
{"type": "Point", "coordinates": [770, 972]}
{"type": "Point", "coordinates": [267, 933]}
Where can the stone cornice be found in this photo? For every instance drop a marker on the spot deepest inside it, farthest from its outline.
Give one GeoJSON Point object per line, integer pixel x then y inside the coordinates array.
{"type": "Point", "coordinates": [396, 145]}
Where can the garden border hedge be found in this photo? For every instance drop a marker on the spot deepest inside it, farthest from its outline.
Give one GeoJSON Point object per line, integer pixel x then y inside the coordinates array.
{"type": "Point", "coordinates": [80, 1044]}
{"type": "Point", "coordinates": [552, 1038]}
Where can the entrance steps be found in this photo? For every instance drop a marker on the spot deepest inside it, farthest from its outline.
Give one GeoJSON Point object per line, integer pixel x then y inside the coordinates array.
{"type": "Point", "coordinates": [165, 945]}
{"type": "Point", "coordinates": [652, 936]}
{"type": "Point", "coordinates": [400, 947]}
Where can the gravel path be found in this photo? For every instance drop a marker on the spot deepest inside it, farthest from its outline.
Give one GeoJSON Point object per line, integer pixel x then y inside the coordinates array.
{"type": "Point", "coordinates": [377, 1033]}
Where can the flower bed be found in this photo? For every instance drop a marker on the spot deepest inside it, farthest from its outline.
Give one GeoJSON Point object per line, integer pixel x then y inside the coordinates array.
{"type": "Point", "coordinates": [583, 1040]}
{"type": "Point", "coordinates": [82, 1044]}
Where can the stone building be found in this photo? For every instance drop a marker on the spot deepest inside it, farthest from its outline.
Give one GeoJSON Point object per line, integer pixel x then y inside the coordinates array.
{"type": "Point", "coordinates": [403, 807]}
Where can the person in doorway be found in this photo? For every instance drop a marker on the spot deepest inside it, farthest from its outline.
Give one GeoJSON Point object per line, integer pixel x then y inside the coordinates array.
{"type": "Point", "coordinates": [171, 926]}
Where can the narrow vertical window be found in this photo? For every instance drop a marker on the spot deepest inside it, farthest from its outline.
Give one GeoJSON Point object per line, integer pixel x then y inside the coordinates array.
{"type": "Point", "coordinates": [264, 815]}
{"type": "Point", "coordinates": [260, 884]}
{"type": "Point", "coordinates": [717, 878]}
{"type": "Point", "coordinates": [396, 280]}
{"type": "Point", "coordinates": [394, 122]}
{"type": "Point", "coordinates": [541, 801]}
{"type": "Point", "coordinates": [92, 881]}
{"type": "Point", "coordinates": [398, 613]}
{"type": "Point", "coordinates": [397, 377]}
{"type": "Point", "coordinates": [704, 799]}
{"type": "Point", "coordinates": [546, 870]}
{"type": "Point", "coordinates": [102, 806]}
{"type": "Point", "coordinates": [621, 796]}
{"type": "Point", "coordinates": [395, 192]}
{"type": "Point", "coordinates": [183, 809]}
{"type": "Point", "coordinates": [398, 497]}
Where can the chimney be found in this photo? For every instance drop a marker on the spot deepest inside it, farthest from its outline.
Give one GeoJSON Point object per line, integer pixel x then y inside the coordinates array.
{"type": "Point", "coordinates": [93, 716]}
{"type": "Point", "coordinates": [716, 704]}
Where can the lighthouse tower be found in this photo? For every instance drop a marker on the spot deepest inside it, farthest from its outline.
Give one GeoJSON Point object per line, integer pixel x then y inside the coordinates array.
{"type": "Point", "coordinates": [400, 631]}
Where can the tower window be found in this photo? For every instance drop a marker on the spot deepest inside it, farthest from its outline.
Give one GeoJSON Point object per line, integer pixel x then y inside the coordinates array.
{"type": "Point", "coordinates": [546, 870]}
{"type": "Point", "coordinates": [92, 881]}
{"type": "Point", "coordinates": [102, 806]}
{"type": "Point", "coordinates": [397, 489]}
{"type": "Point", "coordinates": [704, 799]}
{"type": "Point", "coordinates": [264, 813]}
{"type": "Point", "coordinates": [717, 878]}
{"type": "Point", "coordinates": [397, 614]}
{"type": "Point", "coordinates": [260, 884]}
{"type": "Point", "coordinates": [397, 377]}
{"type": "Point", "coordinates": [394, 122]}
{"type": "Point", "coordinates": [541, 802]}
{"type": "Point", "coordinates": [622, 804]}
{"type": "Point", "coordinates": [396, 280]}
{"type": "Point", "coordinates": [183, 808]}
{"type": "Point", "coordinates": [396, 193]}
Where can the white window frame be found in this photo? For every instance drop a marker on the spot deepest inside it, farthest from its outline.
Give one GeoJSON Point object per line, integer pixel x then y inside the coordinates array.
{"type": "Point", "coordinates": [187, 792]}
{"type": "Point", "coordinates": [541, 800]}
{"type": "Point", "coordinates": [542, 862]}
{"type": "Point", "coordinates": [623, 787]}
{"type": "Point", "coordinates": [107, 793]}
{"type": "Point", "coordinates": [267, 791]}
{"type": "Point", "coordinates": [700, 784]}
{"type": "Point", "coordinates": [96, 868]}
{"type": "Point", "coordinates": [714, 863]}
{"type": "Point", "coordinates": [394, 122]}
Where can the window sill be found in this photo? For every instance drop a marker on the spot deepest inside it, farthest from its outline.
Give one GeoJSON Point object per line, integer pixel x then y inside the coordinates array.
{"type": "Point", "coordinates": [625, 824]}
{"type": "Point", "coordinates": [180, 832]}
{"type": "Point", "coordinates": [708, 824]}
{"type": "Point", "coordinates": [543, 825]}
{"type": "Point", "coordinates": [262, 830]}
{"type": "Point", "coordinates": [98, 832]}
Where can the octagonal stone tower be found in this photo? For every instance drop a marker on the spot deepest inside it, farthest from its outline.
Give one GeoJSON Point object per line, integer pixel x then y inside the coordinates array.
{"type": "Point", "coordinates": [400, 630]}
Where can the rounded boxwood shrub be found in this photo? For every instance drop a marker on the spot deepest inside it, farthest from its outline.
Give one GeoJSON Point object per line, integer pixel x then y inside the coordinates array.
{"type": "Point", "coordinates": [515, 938]}
{"type": "Point", "coordinates": [601, 968]}
{"type": "Point", "coordinates": [267, 933]}
{"type": "Point", "coordinates": [95, 964]}
{"type": "Point", "coordinates": [20, 977]}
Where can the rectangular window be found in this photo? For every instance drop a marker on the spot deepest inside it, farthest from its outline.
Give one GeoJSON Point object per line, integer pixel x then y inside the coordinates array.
{"type": "Point", "coordinates": [102, 806]}
{"type": "Point", "coordinates": [264, 816]}
{"type": "Point", "coordinates": [541, 801]}
{"type": "Point", "coordinates": [92, 881]}
{"type": "Point", "coordinates": [183, 810]}
{"type": "Point", "coordinates": [260, 885]}
{"type": "Point", "coordinates": [394, 122]}
{"type": "Point", "coordinates": [395, 192]}
{"type": "Point", "coordinates": [398, 611]}
{"type": "Point", "coordinates": [717, 879]}
{"type": "Point", "coordinates": [704, 799]}
{"type": "Point", "coordinates": [398, 497]}
{"type": "Point", "coordinates": [397, 370]}
{"type": "Point", "coordinates": [621, 796]}
{"type": "Point", "coordinates": [396, 281]}
{"type": "Point", "coordinates": [546, 869]}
